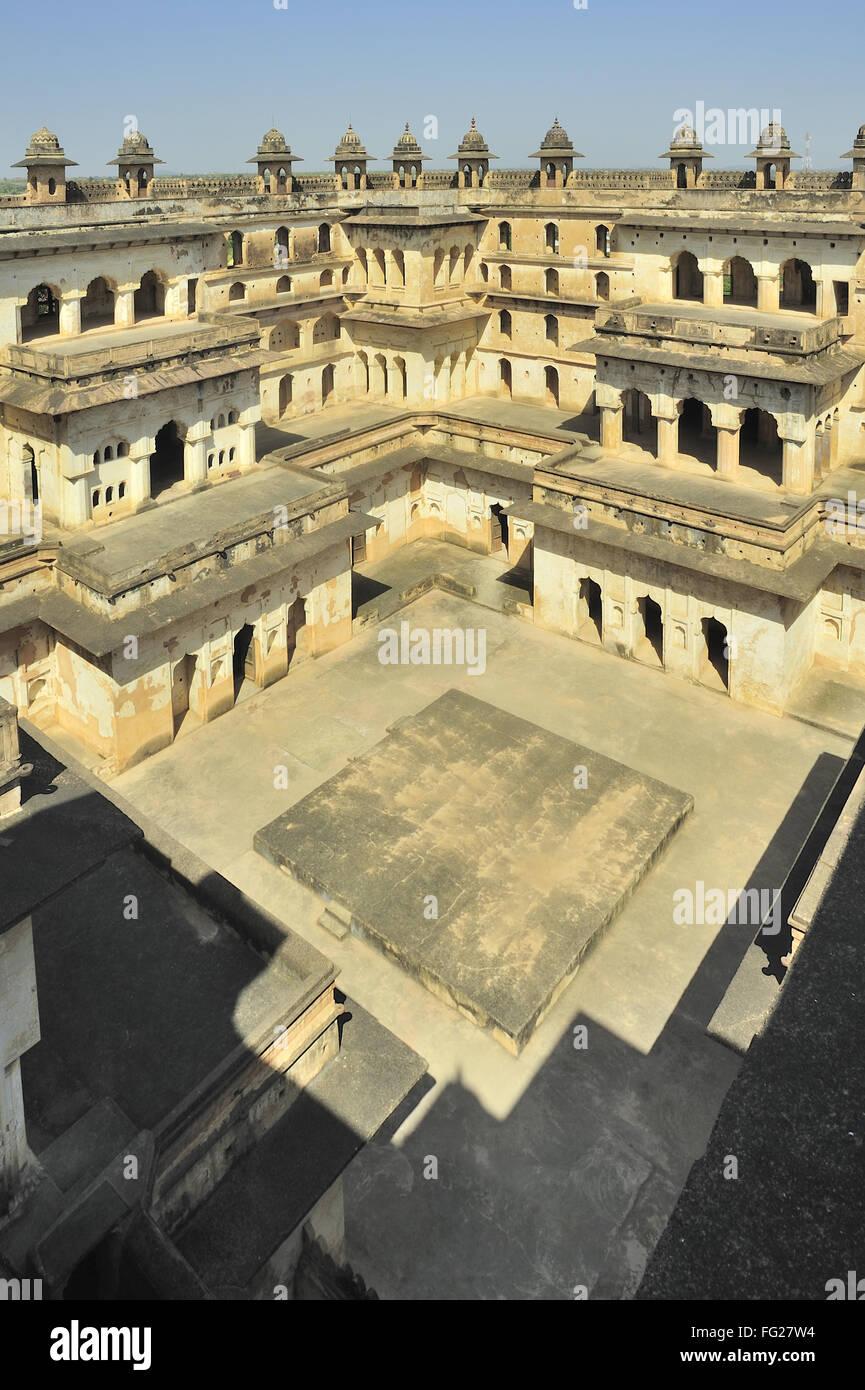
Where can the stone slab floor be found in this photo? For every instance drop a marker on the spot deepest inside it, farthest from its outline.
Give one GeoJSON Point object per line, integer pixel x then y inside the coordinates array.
{"type": "Point", "coordinates": [556, 1170]}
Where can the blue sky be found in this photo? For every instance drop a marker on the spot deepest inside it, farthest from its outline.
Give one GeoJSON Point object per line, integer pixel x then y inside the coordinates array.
{"type": "Point", "coordinates": [205, 80]}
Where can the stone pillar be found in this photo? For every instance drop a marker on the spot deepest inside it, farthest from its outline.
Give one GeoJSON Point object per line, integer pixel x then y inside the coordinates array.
{"type": "Point", "coordinates": [139, 478]}
{"type": "Point", "coordinates": [76, 503]}
{"type": "Point", "coordinates": [124, 306]}
{"type": "Point", "coordinates": [798, 465]}
{"type": "Point", "coordinates": [728, 450]}
{"type": "Point", "coordinates": [713, 289]}
{"type": "Point", "coordinates": [196, 459]}
{"type": "Point", "coordinates": [611, 426]}
{"type": "Point", "coordinates": [246, 447]}
{"type": "Point", "coordinates": [668, 439]}
{"type": "Point", "coordinates": [70, 315]}
{"type": "Point", "coordinates": [768, 294]}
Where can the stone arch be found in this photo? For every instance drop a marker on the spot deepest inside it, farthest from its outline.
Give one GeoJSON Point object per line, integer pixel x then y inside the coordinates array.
{"type": "Point", "coordinates": [237, 292]}
{"type": "Point", "coordinates": [504, 236]}
{"type": "Point", "coordinates": [327, 383]}
{"type": "Point", "coordinates": [504, 277]}
{"type": "Point", "coordinates": [149, 298]}
{"type": "Point", "coordinates": [400, 378]}
{"type": "Point", "coordinates": [97, 306]}
{"type": "Point", "coordinates": [697, 432]}
{"type": "Point", "coordinates": [286, 391]}
{"type": "Point", "coordinates": [40, 313]}
{"type": "Point", "coordinates": [551, 238]}
{"type": "Point", "coordinates": [551, 329]}
{"type": "Point", "coordinates": [760, 446]}
{"type": "Point", "coordinates": [602, 285]}
{"type": "Point", "coordinates": [324, 237]}
{"type": "Point", "coordinates": [739, 282]}
{"type": "Point", "coordinates": [167, 462]}
{"type": "Point", "coordinates": [687, 276]}
{"type": "Point", "coordinates": [551, 282]}
{"type": "Point", "coordinates": [505, 322]}
{"type": "Point", "coordinates": [639, 424]}
{"type": "Point", "coordinates": [233, 248]}
{"type": "Point", "coordinates": [505, 378]}
{"type": "Point", "coordinates": [551, 386]}
{"type": "Point", "coordinates": [378, 369]}
{"type": "Point", "coordinates": [798, 287]}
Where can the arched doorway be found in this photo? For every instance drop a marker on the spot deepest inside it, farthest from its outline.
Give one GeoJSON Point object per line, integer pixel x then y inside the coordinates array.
{"type": "Point", "coordinates": [739, 282]}
{"type": "Point", "coordinates": [296, 632]}
{"type": "Point", "coordinates": [327, 384]}
{"type": "Point", "coordinates": [697, 434]}
{"type": "Point", "coordinates": [760, 447]}
{"type": "Point", "coordinates": [798, 290]}
{"type": "Point", "coordinates": [498, 529]}
{"type": "Point", "coordinates": [31, 471]}
{"type": "Point", "coordinates": [181, 686]}
{"type": "Point", "coordinates": [378, 368]}
{"type": "Point", "coordinates": [650, 638]}
{"type": "Point", "coordinates": [551, 385]}
{"type": "Point", "coordinates": [639, 425]}
{"type": "Point", "coordinates": [243, 662]}
{"type": "Point", "coordinates": [687, 277]}
{"type": "Point", "coordinates": [149, 298]}
{"type": "Point", "coordinates": [715, 666]}
{"type": "Point", "coordinates": [400, 376]}
{"type": "Point", "coordinates": [97, 306]}
{"type": "Point", "coordinates": [285, 394]}
{"type": "Point", "coordinates": [602, 285]}
{"type": "Point", "coordinates": [590, 611]}
{"type": "Point", "coordinates": [505, 382]}
{"type": "Point", "coordinates": [40, 315]}
{"type": "Point", "coordinates": [167, 460]}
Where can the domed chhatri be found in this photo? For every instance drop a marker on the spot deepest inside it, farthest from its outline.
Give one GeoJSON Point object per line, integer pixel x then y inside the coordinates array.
{"type": "Point", "coordinates": [46, 164]}
{"type": "Point", "coordinates": [773, 155]}
{"type": "Point", "coordinates": [857, 154]}
{"type": "Point", "coordinates": [43, 140]}
{"type": "Point", "coordinates": [351, 147]}
{"type": "Point", "coordinates": [474, 155]}
{"type": "Point", "coordinates": [473, 140]}
{"type": "Point", "coordinates": [274, 140]}
{"type": "Point", "coordinates": [407, 147]}
{"type": "Point", "coordinates": [557, 155]}
{"type": "Point", "coordinates": [134, 147]}
{"type": "Point", "coordinates": [686, 155]}
{"type": "Point", "coordinates": [773, 137]}
{"type": "Point", "coordinates": [350, 159]}
{"type": "Point", "coordinates": [274, 160]}
{"type": "Point", "coordinates": [135, 162]}
{"type": "Point", "coordinates": [408, 158]}
{"type": "Point", "coordinates": [45, 148]}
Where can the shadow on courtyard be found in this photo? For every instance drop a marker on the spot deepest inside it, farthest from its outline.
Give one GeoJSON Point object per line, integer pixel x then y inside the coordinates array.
{"type": "Point", "coordinates": [572, 1189]}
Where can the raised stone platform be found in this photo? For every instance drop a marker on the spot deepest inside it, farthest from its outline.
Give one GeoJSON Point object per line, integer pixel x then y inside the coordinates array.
{"type": "Point", "coordinates": [461, 846]}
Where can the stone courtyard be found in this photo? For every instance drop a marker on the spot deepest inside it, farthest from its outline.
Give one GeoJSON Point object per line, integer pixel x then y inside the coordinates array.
{"type": "Point", "coordinates": [559, 1167]}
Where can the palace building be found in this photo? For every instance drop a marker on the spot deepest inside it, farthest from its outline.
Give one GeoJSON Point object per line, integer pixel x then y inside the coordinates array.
{"type": "Point", "coordinates": [246, 420]}
{"type": "Point", "coordinates": [217, 396]}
